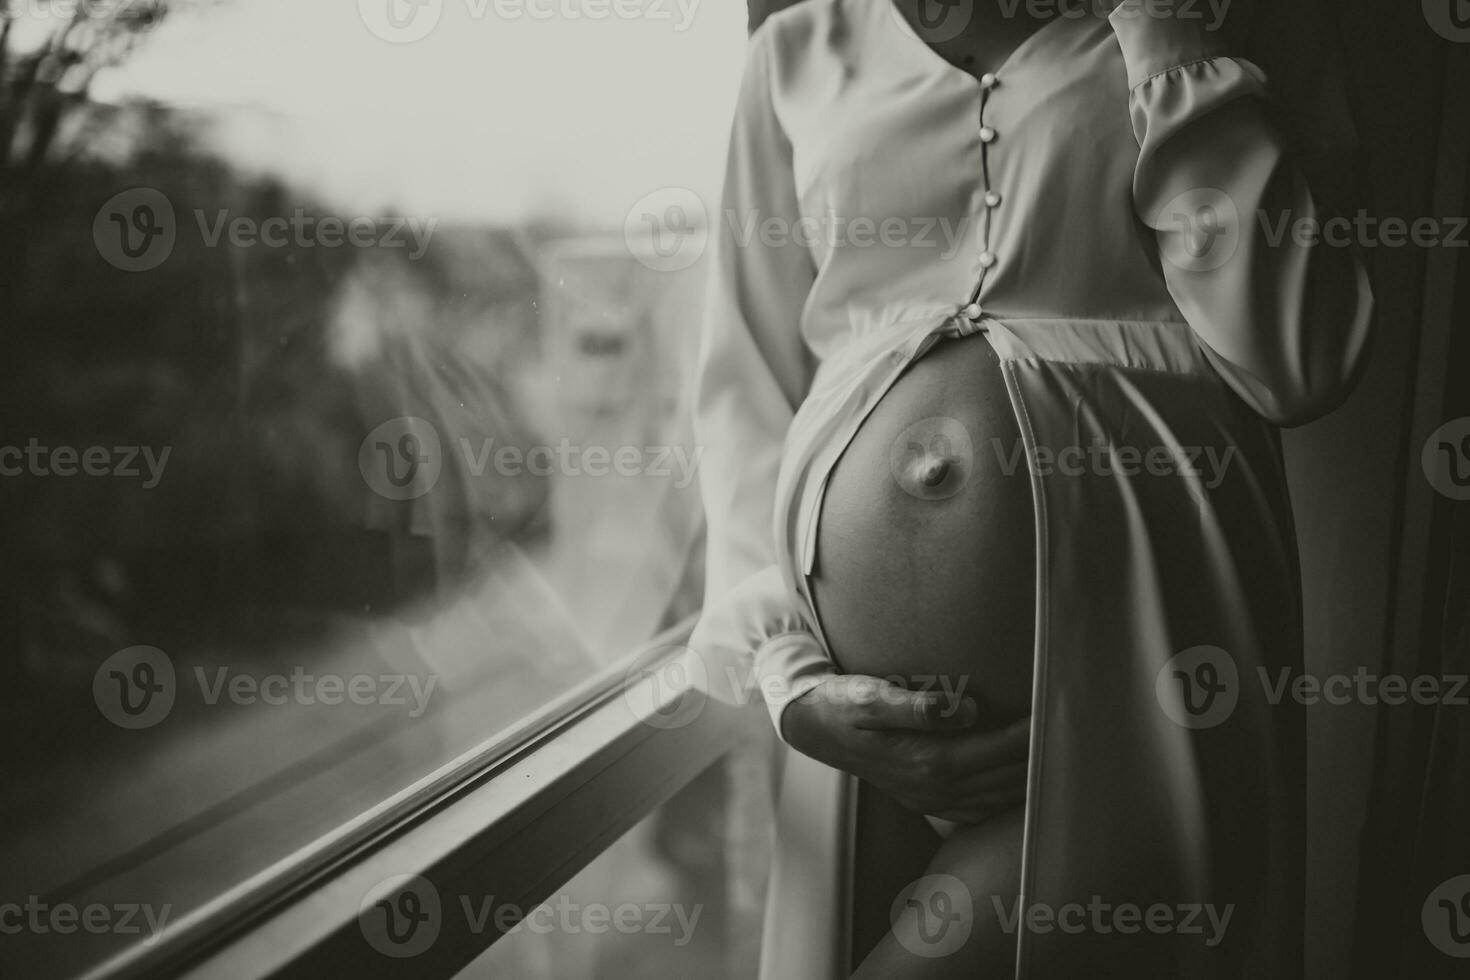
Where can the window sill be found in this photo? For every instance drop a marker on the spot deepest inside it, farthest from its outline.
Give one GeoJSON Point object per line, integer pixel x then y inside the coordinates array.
{"type": "Point", "coordinates": [517, 831]}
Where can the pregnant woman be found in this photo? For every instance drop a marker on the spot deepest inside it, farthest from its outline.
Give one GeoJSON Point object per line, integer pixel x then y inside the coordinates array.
{"type": "Point", "coordinates": [996, 351]}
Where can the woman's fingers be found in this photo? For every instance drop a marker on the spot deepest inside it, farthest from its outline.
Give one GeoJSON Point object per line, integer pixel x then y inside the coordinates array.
{"type": "Point", "coordinates": [985, 751]}
{"type": "Point", "coordinates": [877, 704]}
{"type": "Point", "coordinates": [1001, 779]}
{"type": "Point", "coordinates": [919, 747]}
{"type": "Point", "coordinates": [978, 794]}
{"type": "Point", "coordinates": [977, 772]}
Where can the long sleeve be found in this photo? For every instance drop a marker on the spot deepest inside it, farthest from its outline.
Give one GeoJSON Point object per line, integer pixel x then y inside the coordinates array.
{"type": "Point", "coordinates": [1285, 322]}
{"type": "Point", "coordinates": [753, 371]}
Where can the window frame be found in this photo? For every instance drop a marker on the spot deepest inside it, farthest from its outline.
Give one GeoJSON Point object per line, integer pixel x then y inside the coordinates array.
{"type": "Point", "coordinates": [516, 819]}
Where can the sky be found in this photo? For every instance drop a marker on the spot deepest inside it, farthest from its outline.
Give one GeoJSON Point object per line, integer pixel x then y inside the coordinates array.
{"type": "Point", "coordinates": [504, 110]}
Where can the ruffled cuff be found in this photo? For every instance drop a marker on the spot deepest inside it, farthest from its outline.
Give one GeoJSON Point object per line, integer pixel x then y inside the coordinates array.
{"type": "Point", "coordinates": [1156, 41]}
{"type": "Point", "coordinates": [1177, 72]}
{"type": "Point", "coordinates": [786, 667]}
{"type": "Point", "coordinates": [755, 639]}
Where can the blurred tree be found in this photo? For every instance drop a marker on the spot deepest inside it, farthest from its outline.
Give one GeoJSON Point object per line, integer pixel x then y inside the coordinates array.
{"type": "Point", "coordinates": [50, 53]}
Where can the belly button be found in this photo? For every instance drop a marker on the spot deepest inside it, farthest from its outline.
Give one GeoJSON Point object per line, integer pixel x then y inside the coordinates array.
{"type": "Point", "coordinates": [931, 472]}
{"type": "Point", "coordinates": [932, 459]}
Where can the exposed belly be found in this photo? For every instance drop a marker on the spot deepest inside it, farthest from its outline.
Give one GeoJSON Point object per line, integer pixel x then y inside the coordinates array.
{"type": "Point", "coordinates": [925, 564]}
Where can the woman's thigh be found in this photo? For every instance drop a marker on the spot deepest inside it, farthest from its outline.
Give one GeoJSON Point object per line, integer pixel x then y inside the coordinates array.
{"type": "Point", "coordinates": [925, 545]}
{"type": "Point", "coordinates": [959, 919]}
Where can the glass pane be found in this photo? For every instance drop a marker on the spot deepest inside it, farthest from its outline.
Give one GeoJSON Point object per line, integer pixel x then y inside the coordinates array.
{"type": "Point", "coordinates": [343, 416]}
{"type": "Point", "coordinates": [681, 895]}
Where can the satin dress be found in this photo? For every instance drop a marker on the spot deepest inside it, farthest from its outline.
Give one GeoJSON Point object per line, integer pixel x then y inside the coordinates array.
{"type": "Point", "coordinates": [1105, 209]}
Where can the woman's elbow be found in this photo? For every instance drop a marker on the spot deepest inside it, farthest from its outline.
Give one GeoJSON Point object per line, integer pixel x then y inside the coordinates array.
{"type": "Point", "coordinates": [1328, 378]}
{"type": "Point", "coordinates": [1307, 403]}
{"type": "Point", "coordinates": [1300, 383]}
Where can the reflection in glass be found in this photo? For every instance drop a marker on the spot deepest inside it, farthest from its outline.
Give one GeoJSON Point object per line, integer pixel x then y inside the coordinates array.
{"type": "Point", "coordinates": [341, 421]}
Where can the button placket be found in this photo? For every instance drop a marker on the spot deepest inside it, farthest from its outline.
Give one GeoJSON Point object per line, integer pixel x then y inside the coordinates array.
{"type": "Point", "coordinates": [986, 260]}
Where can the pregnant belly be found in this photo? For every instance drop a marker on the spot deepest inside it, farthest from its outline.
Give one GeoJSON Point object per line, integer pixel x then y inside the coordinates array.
{"type": "Point", "coordinates": [925, 568]}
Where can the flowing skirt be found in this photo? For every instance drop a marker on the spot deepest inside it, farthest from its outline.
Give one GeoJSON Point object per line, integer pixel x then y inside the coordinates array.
{"type": "Point", "coordinates": [1164, 827]}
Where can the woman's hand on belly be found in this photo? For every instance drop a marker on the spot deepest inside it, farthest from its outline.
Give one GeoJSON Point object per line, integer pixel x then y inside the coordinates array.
{"type": "Point", "coordinates": [921, 747]}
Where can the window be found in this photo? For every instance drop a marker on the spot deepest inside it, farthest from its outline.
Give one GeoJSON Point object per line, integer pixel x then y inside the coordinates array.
{"type": "Point", "coordinates": [344, 449]}
{"type": "Point", "coordinates": [680, 895]}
